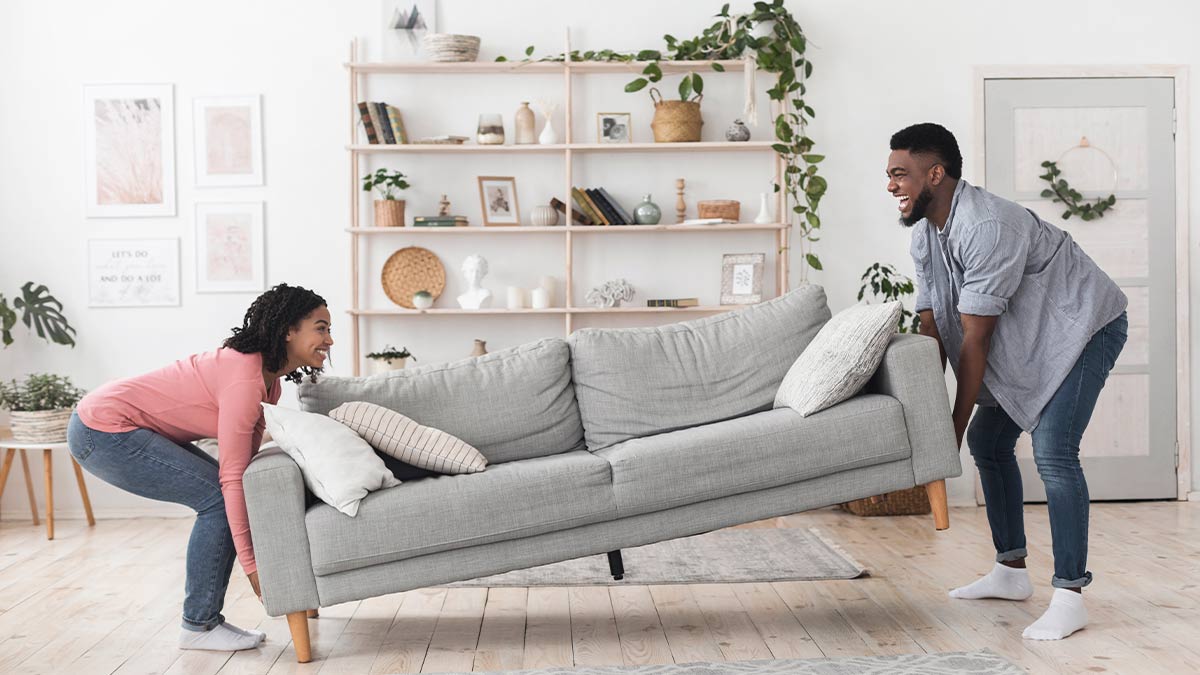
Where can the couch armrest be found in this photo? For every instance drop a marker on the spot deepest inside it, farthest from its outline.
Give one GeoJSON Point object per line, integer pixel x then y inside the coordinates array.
{"type": "Point", "coordinates": [275, 503]}
{"type": "Point", "coordinates": [911, 373]}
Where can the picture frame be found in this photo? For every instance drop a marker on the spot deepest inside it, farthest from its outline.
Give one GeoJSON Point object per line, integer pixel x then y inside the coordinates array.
{"type": "Point", "coordinates": [129, 150]}
{"type": "Point", "coordinates": [614, 127]}
{"type": "Point", "coordinates": [230, 253]}
{"type": "Point", "coordinates": [133, 272]}
{"type": "Point", "coordinates": [741, 278]}
{"type": "Point", "coordinates": [403, 23]}
{"type": "Point", "coordinates": [227, 132]}
{"type": "Point", "coordinates": [498, 200]}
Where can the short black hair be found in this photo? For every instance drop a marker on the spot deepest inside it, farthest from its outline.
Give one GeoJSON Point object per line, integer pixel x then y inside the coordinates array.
{"type": "Point", "coordinates": [265, 327]}
{"type": "Point", "coordinates": [928, 138]}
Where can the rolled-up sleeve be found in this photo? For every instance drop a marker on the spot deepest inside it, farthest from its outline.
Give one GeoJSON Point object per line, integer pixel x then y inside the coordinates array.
{"type": "Point", "coordinates": [993, 256]}
{"type": "Point", "coordinates": [919, 251]}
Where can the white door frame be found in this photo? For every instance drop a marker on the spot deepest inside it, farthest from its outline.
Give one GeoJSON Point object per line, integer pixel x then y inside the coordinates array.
{"type": "Point", "coordinates": [1179, 73]}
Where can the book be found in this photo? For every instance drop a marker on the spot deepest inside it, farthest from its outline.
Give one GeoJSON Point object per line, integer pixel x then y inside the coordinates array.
{"type": "Point", "coordinates": [397, 124]}
{"type": "Point", "coordinates": [674, 302]}
{"type": "Point", "coordinates": [377, 138]}
{"type": "Point", "coordinates": [707, 221]}
{"type": "Point", "coordinates": [625, 216]}
{"type": "Point", "coordinates": [440, 221]}
{"type": "Point", "coordinates": [576, 215]}
{"type": "Point", "coordinates": [365, 114]}
{"type": "Point", "coordinates": [603, 219]}
{"type": "Point", "coordinates": [609, 214]}
{"type": "Point", "coordinates": [585, 206]}
{"type": "Point", "coordinates": [384, 124]}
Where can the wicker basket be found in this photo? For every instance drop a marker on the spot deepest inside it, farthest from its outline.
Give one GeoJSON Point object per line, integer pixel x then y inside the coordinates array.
{"type": "Point", "coordinates": [730, 209]}
{"type": "Point", "coordinates": [41, 426]}
{"type": "Point", "coordinates": [389, 213]}
{"type": "Point", "coordinates": [911, 502]}
{"type": "Point", "coordinates": [450, 48]}
{"type": "Point", "coordinates": [675, 121]}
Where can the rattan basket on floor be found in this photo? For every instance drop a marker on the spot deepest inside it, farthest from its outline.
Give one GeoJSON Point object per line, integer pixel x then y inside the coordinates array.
{"type": "Point", "coordinates": [911, 502]}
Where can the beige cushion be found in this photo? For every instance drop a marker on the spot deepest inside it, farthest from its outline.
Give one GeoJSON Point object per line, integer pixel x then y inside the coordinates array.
{"type": "Point", "coordinates": [840, 360]}
{"type": "Point", "coordinates": [398, 436]}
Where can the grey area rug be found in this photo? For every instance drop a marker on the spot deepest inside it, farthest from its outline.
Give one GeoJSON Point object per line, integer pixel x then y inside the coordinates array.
{"type": "Point", "coordinates": [724, 556]}
{"type": "Point", "coordinates": [975, 663]}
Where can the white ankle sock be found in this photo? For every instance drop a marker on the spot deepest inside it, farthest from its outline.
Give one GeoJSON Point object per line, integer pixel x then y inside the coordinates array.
{"type": "Point", "coordinates": [257, 634]}
{"type": "Point", "coordinates": [219, 639]}
{"type": "Point", "coordinates": [1003, 582]}
{"type": "Point", "coordinates": [1065, 615]}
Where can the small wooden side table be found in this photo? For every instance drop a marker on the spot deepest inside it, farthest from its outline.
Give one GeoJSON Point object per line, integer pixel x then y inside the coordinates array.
{"type": "Point", "coordinates": [13, 447]}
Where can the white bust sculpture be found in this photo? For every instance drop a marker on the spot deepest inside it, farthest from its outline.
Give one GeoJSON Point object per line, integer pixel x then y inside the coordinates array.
{"type": "Point", "coordinates": [475, 268]}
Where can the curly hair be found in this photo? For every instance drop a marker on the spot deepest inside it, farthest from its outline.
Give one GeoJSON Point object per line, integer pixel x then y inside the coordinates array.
{"type": "Point", "coordinates": [931, 139]}
{"type": "Point", "coordinates": [265, 327]}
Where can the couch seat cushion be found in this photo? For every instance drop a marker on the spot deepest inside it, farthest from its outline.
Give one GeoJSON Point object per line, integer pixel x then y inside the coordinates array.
{"type": "Point", "coordinates": [507, 501]}
{"type": "Point", "coordinates": [755, 452]}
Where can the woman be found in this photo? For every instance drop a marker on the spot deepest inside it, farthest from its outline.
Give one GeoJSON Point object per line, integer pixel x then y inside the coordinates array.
{"type": "Point", "coordinates": [136, 434]}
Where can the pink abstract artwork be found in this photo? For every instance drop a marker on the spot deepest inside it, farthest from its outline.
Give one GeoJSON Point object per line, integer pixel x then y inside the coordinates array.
{"type": "Point", "coordinates": [229, 246]}
{"type": "Point", "coordinates": [129, 153]}
{"type": "Point", "coordinates": [229, 140]}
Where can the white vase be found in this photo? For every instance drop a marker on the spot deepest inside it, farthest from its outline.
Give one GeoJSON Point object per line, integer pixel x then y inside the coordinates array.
{"type": "Point", "coordinates": [764, 216]}
{"type": "Point", "coordinates": [548, 136]}
{"type": "Point", "coordinates": [544, 216]}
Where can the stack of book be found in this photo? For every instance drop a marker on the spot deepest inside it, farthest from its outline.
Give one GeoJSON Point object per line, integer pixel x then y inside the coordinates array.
{"type": "Point", "coordinates": [674, 302]}
{"type": "Point", "coordinates": [600, 208]}
{"type": "Point", "coordinates": [440, 221]}
{"type": "Point", "coordinates": [382, 122]}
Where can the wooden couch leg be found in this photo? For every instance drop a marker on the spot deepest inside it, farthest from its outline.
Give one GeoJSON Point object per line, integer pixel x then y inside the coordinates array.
{"type": "Point", "coordinates": [937, 501]}
{"type": "Point", "coordinates": [312, 614]}
{"type": "Point", "coordinates": [298, 624]}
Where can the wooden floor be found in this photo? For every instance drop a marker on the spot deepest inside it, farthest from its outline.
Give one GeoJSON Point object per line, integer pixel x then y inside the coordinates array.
{"type": "Point", "coordinates": [107, 600]}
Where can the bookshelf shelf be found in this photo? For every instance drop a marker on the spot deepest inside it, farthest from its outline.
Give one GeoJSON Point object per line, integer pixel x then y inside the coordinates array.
{"type": "Point", "coordinates": [364, 236]}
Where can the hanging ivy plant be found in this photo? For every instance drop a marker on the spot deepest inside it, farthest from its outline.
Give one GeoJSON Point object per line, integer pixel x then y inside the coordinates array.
{"type": "Point", "coordinates": [1060, 191]}
{"type": "Point", "coordinates": [781, 50]}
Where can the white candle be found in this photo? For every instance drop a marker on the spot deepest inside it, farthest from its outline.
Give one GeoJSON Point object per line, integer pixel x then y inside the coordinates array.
{"type": "Point", "coordinates": [516, 297]}
{"type": "Point", "coordinates": [549, 284]}
{"type": "Point", "coordinates": [540, 298]}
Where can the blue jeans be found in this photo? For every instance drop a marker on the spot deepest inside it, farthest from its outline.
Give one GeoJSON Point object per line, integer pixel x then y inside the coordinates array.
{"type": "Point", "coordinates": [992, 438]}
{"type": "Point", "coordinates": [149, 465]}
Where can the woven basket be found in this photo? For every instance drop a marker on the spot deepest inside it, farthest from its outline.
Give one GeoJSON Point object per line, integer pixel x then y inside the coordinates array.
{"type": "Point", "coordinates": [389, 213]}
{"type": "Point", "coordinates": [911, 502]}
{"type": "Point", "coordinates": [720, 208]}
{"type": "Point", "coordinates": [412, 269]}
{"type": "Point", "coordinates": [450, 48]}
{"type": "Point", "coordinates": [675, 121]}
{"type": "Point", "coordinates": [41, 426]}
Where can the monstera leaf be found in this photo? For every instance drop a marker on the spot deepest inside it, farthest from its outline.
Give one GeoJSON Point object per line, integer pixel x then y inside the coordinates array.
{"type": "Point", "coordinates": [8, 319]}
{"type": "Point", "coordinates": [43, 313]}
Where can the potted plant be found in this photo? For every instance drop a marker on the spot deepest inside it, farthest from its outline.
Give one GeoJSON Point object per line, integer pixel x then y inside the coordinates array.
{"type": "Point", "coordinates": [389, 211]}
{"type": "Point", "coordinates": [389, 359]}
{"type": "Point", "coordinates": [676, 121]}
{"type": "Point", "coordinates": [40, 407]}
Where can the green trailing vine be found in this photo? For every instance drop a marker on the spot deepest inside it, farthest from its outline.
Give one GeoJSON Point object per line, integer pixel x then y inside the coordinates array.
{"type": "Point", "coordinates": [781, 51]}
{"type": "Point", "coordinates": [1060, 191]}
{"type": "Point", "coordinates": [886, 285]}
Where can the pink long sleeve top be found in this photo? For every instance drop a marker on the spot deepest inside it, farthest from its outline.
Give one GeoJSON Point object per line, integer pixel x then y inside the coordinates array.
{"type": "Point", "coordinates": [213, 394]}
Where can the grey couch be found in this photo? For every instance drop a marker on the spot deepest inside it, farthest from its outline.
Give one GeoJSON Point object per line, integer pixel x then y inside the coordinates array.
{"type": "Point", "coordinates": [611, 439]}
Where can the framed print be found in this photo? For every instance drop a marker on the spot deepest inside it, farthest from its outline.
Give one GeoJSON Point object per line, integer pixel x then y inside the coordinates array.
{"type": "Point", "coordinates": [741, 278]}
{"type": "Point", "coordinates": [498, 197]}
{"type": "Point", "coordinates": [133, 272]}
{"type": "Point", "coordinates": [129, 150]}
{"type": "Point", "coordinates": [229, 247]}
{"type": "Point", "coordinates": [228, 137]}
{"type": "Point", "coordinates": [614, 128]}
{"type": "Point", "coordinates": [405, 22]}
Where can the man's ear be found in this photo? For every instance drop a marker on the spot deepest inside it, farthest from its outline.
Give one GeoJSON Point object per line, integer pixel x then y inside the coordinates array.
{"type": "Point", "coordinates": [937, 173]}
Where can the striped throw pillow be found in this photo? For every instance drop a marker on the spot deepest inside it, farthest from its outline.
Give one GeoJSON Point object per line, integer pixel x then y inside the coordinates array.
{"type": "Point", "coordinates": [397, 436]}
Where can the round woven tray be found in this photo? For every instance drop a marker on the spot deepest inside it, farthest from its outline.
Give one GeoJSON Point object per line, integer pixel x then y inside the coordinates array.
{"type": "Point", "coordinates": [412, 269]}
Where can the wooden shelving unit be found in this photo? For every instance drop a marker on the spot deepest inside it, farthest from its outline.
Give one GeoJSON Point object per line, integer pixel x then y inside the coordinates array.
{"type": "Point", "coordinates": [361, 235]}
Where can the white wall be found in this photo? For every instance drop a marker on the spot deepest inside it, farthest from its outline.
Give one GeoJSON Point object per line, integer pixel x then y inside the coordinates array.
{"type": "Point", "coordinates": [879, 67]}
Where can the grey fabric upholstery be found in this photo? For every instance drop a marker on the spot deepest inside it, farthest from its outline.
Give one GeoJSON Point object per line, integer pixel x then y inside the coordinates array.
{"type": "Point", "coordinates": [911, 373]}
{"type": "Point", "coordinates": [275, 493]}
{"type": "Point", "coordinates": [750, 453]}
{"type": "Point", "coordinates": [510, 500]}
{"type": "Point", "coordinates": [634, 382]}
{"type": "Point", "coordinates": [511, 404]}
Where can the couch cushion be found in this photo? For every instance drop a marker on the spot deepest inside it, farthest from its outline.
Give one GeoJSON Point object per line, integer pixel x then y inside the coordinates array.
{"type": "Point", "coordinates": [634, 382]}
{"type": "Point", "coordinates": [750, 453]}
{"type": "Point", "coordinates": [511, 404]}
{"type": "Point", "coordinates": [508, 501]}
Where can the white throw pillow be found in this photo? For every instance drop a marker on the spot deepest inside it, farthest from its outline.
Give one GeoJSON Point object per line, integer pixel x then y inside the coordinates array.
{"type": "Point", "coordinates": [398, 436]}
{"type": "Point", "coordinates": [339, 467]}
{"type": "Point", "coordinates": [840, 359]}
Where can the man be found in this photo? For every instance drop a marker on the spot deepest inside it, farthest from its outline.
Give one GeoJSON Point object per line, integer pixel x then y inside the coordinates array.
{"type": "Point", "coordinates": [1031, 327]}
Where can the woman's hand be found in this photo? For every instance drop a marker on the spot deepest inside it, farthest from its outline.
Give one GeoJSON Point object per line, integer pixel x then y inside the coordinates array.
{"type": "Point", "coordinates": [253, 577]}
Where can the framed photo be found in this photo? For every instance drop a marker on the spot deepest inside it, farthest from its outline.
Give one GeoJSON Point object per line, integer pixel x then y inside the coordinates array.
{"type": "Point", "coordinates": [498, 197]}
{"type": "Point", "coordinates": [741, 278]}
{"type": "Point", "coordinates": [133, 272]}
{"type": "Point", "coordinates": [229, 247]}
{"type": "Point", "coordinates": [614, 128]}
{"type": "Point", "coordinates": [405, 22]}
{"type": "Point", "coordinates": [129, 150]}
{"type": "Point", "coordinates": [228, 136]}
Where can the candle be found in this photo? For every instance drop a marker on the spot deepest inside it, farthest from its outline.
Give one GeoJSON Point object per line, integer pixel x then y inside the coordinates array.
{"type": "Point", "coordinates": [516, 297]}
{"type": "Point", "coordinates": [550, 284]}
{"type": "Point", "coordinates": [540, 298]}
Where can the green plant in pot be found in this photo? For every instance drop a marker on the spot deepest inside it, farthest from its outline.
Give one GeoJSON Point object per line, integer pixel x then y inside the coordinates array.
{"type": "Point", "coordinates": [886, 285]}
{"type": "Point", "coordinates": [389, 358]}
{"type": "Point", "coordinates": [389, 211]}
{"type": "Point", "coordinates": [40, 406]}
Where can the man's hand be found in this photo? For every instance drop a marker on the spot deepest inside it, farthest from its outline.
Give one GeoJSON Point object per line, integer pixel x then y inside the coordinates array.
{"type": "Point", "coordinates": [253, 577]}
{"type": "Point", "coordinates": [972, 363]}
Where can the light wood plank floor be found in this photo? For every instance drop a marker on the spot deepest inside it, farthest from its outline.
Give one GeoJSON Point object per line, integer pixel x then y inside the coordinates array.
{"type": "Point", "coordinates": [107, 600]}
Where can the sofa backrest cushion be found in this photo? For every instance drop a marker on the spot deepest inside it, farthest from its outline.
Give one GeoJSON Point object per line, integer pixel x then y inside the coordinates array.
{"type": "Point", "coordinates": [634, 382]}
{"type": "Point", "coordinates": [511, 404]}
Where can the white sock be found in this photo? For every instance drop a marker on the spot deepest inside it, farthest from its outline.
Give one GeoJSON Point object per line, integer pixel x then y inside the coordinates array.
{"type": "Point", "coordinates": [219, 639]}
{"type": "Point", "coordinates": [258, 634]}
{"type": "Point", "coordinates": [1065, 615]}
{"type": "Point", "coordinates": [1003, 582]}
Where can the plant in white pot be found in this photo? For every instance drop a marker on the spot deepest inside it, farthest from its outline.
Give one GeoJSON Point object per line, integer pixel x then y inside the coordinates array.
{"type": "Point", "coordinates": [389, 211]}
{"type": "Point", "coordinates": [40, 407]}
{"type": "Point", "coordinates": [389, 359]}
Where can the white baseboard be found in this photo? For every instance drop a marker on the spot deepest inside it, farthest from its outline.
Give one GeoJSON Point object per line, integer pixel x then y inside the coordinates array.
{"type": "Point", "coordinates": [1194, 496]}
{"type": "Point", "coordinates": [18, 515]}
